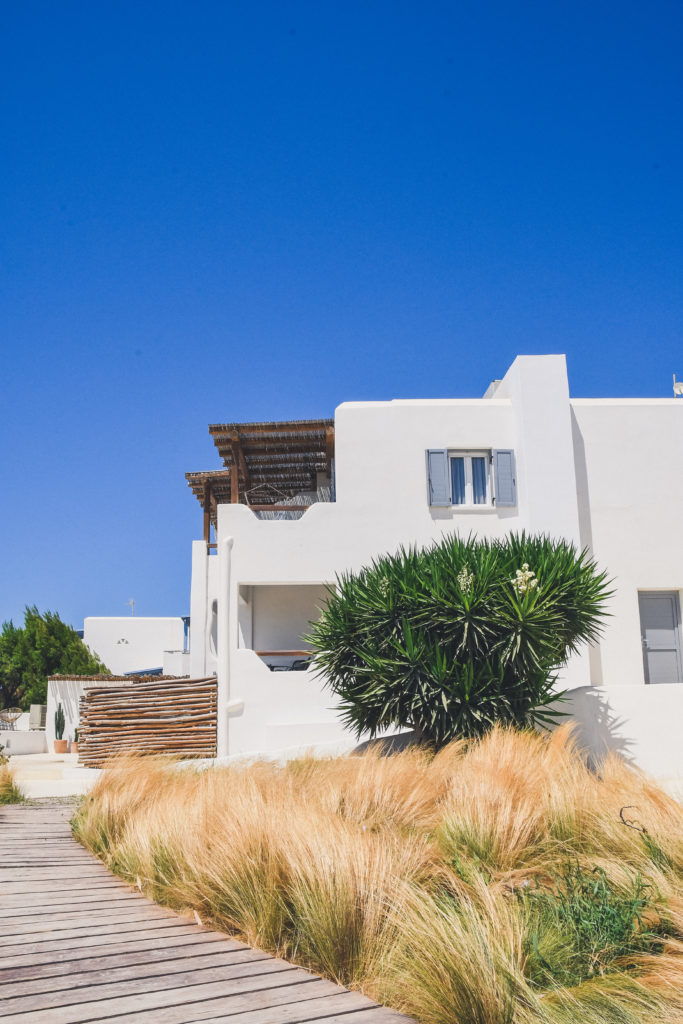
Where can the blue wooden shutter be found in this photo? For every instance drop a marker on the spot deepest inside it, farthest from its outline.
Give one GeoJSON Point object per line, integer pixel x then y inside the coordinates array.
{"type": "Point", "coordinates": [437, 475]}
{"type": "Point", "coordinates": [505, 477]}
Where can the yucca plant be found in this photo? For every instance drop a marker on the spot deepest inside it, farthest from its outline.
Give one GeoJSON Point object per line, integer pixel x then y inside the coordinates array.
{"type": "Point", "coordinates": [454, 638]}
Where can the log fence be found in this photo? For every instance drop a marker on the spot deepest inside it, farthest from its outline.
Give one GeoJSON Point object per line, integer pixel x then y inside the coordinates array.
{"type": "Point", "coordinates": [176, 717]}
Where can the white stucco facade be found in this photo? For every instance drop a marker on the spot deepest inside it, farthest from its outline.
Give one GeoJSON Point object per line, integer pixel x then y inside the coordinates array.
{"type": "Point", "coordinates": [133, 643]}
{"type": "Point", "coordinates": [604, 474]}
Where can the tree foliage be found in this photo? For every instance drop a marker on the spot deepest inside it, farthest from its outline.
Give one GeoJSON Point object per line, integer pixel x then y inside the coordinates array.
{"type": "Point", "coordinates": [44, 646]}
{"type": "Point", "coordinates": [451, 639]}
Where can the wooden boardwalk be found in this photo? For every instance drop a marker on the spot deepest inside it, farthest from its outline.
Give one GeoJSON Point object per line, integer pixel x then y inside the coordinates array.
{"type": "Point", "coordinates": [78, 945]}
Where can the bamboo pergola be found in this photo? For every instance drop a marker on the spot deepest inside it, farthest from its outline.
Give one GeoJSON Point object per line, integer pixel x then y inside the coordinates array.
{"type": "Point", "coordinates": [263, 461]}
{"type": "Point", "coordinates": [172, 716]}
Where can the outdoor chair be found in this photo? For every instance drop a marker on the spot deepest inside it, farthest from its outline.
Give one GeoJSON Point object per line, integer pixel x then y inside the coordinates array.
{"type": "Point", "coordinates": [8, 717]}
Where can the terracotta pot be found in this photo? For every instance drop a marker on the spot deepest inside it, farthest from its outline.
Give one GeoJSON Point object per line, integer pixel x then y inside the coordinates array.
{"type": "Point", "coordinates": [73, 749]}
{"type": "Point", "coordinates": [60, 746]}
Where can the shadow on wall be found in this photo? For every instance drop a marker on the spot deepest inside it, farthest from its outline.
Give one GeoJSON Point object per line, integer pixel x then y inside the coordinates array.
{"type": "Point", "coordinates": [598, 729]}
{"type": "Point", "coordinates": [585, 526]}
{"type": "Point", "coordinates": [388, 745]}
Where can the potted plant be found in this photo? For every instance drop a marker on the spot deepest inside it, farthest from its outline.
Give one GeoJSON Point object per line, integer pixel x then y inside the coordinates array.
{"type": "Point", "coordinates": [60, 744]}
{"type": "Point", "coordinates": [74, 743]}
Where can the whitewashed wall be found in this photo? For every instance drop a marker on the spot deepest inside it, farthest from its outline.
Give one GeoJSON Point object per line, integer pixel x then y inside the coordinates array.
{"type": "Point", "coordinates": [23, 742]}
{"type": "Point", "coordinates": [629, 459]}
{"type": "Point", "coordinates": [133, 643]}
{"type": "Point", "coordinates": [176, 663]}
{"type": "Point", "coordinates": [575, 473]}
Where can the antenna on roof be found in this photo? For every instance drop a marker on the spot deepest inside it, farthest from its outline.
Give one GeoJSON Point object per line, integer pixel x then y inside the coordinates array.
{"type": "Point", "coordinates": [132, 605]}
{"type": "Point", "coordinates": [678, 387]}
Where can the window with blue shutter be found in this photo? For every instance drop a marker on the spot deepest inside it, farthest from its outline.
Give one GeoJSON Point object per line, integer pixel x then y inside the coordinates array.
{"type": "Point", "coordinates": [505, 477]}
{"type": "Point", "coordinates": [437, 477]}
{"type": "Point", "coordinates": [466, 478]}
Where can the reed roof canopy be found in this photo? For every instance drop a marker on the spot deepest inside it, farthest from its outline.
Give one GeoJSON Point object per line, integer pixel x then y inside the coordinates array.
{"type": "Point", "coordinates": [263, 461]}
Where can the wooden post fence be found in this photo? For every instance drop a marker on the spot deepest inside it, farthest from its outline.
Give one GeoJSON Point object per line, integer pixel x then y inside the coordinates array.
{"type": "Point", "coordinates": [173, 716]}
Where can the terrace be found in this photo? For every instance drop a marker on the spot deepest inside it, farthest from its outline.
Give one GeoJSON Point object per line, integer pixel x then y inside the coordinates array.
{"type": "Point", "coordinates": [277, 469]}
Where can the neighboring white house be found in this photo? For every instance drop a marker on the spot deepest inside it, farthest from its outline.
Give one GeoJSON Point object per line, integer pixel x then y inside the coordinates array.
{"type": "Point", "coordinates": [138, 644]}
{"type": "Point", "coordinates": [606, 474]}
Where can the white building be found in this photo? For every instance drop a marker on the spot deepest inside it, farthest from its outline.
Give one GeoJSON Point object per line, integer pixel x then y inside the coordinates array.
{"type": "Point", "coordinates": [137, 643]}
{"type": "Point", "coordinates": [603, 473]}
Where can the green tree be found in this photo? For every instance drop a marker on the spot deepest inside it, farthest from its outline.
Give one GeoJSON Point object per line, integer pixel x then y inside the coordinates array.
{"type": "Point", "coordinates": [454, 638]}
{"type": "Point", "coordinates": [45, 646]}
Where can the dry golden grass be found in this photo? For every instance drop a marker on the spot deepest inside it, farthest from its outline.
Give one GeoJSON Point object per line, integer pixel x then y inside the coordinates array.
{"type": "Point", "coordinates": [10, 793]}
{"type": "Point", "coordinates": [415, 877]}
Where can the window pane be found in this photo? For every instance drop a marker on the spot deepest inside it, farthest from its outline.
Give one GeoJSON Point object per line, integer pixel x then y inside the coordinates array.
{"type": "Point", "coordinates": [458, 481]}
{"type": "Point", "coordinates": [479, 480]}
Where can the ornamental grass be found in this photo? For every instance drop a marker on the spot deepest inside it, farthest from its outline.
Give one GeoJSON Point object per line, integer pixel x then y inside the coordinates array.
{"type": "Point", "coordinates": [500, 881]}
{"type": "Point", "coordinates": [10, 792]}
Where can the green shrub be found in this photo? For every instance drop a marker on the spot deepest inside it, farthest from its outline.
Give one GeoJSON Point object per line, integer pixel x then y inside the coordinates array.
{"type": "Point", "coordinates": [579, 928]}
{"type": "Point", "coordinates": [452, 639]}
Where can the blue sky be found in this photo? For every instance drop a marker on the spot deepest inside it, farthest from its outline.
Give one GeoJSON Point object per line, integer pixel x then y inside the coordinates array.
{"type": "Point", "coordinates": [256, 210]}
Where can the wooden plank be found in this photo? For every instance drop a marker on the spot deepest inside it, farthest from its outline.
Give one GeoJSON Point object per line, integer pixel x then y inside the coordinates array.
{"type": "Point", "coordinates": [245, 977]}
{"type": "Point", "coordinates": [74, 885]}
{"type": "Point", "coordinates": [308, 1002]}
{"type": "Point", "coordinates": [315, 1012]}
{"type": "Point", "coordinates": [63, 848]}
{"type": "Point", "coordinates": [79, 946]}
{"type": "Point", "coordinates": [90, 937]}
{"type": "Point", "coordinates": [184, 1003]}
{"type": "Point", "coordinates": [187, 937]}
{"type": "Point", "coordinates": [16, 862]}
{"type": "Point", "coordinates": [23, 904]}
{"type": "Point", "coordinates": [38, 924]}
{"type": "Point", "coordinates": [74, 975]}
{"type": "Point", "coordinates": [51, 874]}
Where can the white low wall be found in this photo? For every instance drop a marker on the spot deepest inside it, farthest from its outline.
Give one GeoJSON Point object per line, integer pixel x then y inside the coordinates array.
{"type": "Point", "coordinates": [23, 742]}
{"type": "Point", "coordinates": [271, 711]}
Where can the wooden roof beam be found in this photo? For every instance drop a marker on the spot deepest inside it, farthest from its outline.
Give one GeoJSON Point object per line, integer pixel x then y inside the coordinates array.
{"type": "Point", "coordinates": [238, 459]}
{"type": "Point", "coordinates": [329, 448]}
{"type": "Point", "coordinates": [207, 512]}
{"type": "Point", "coordinates": [291, 427]}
